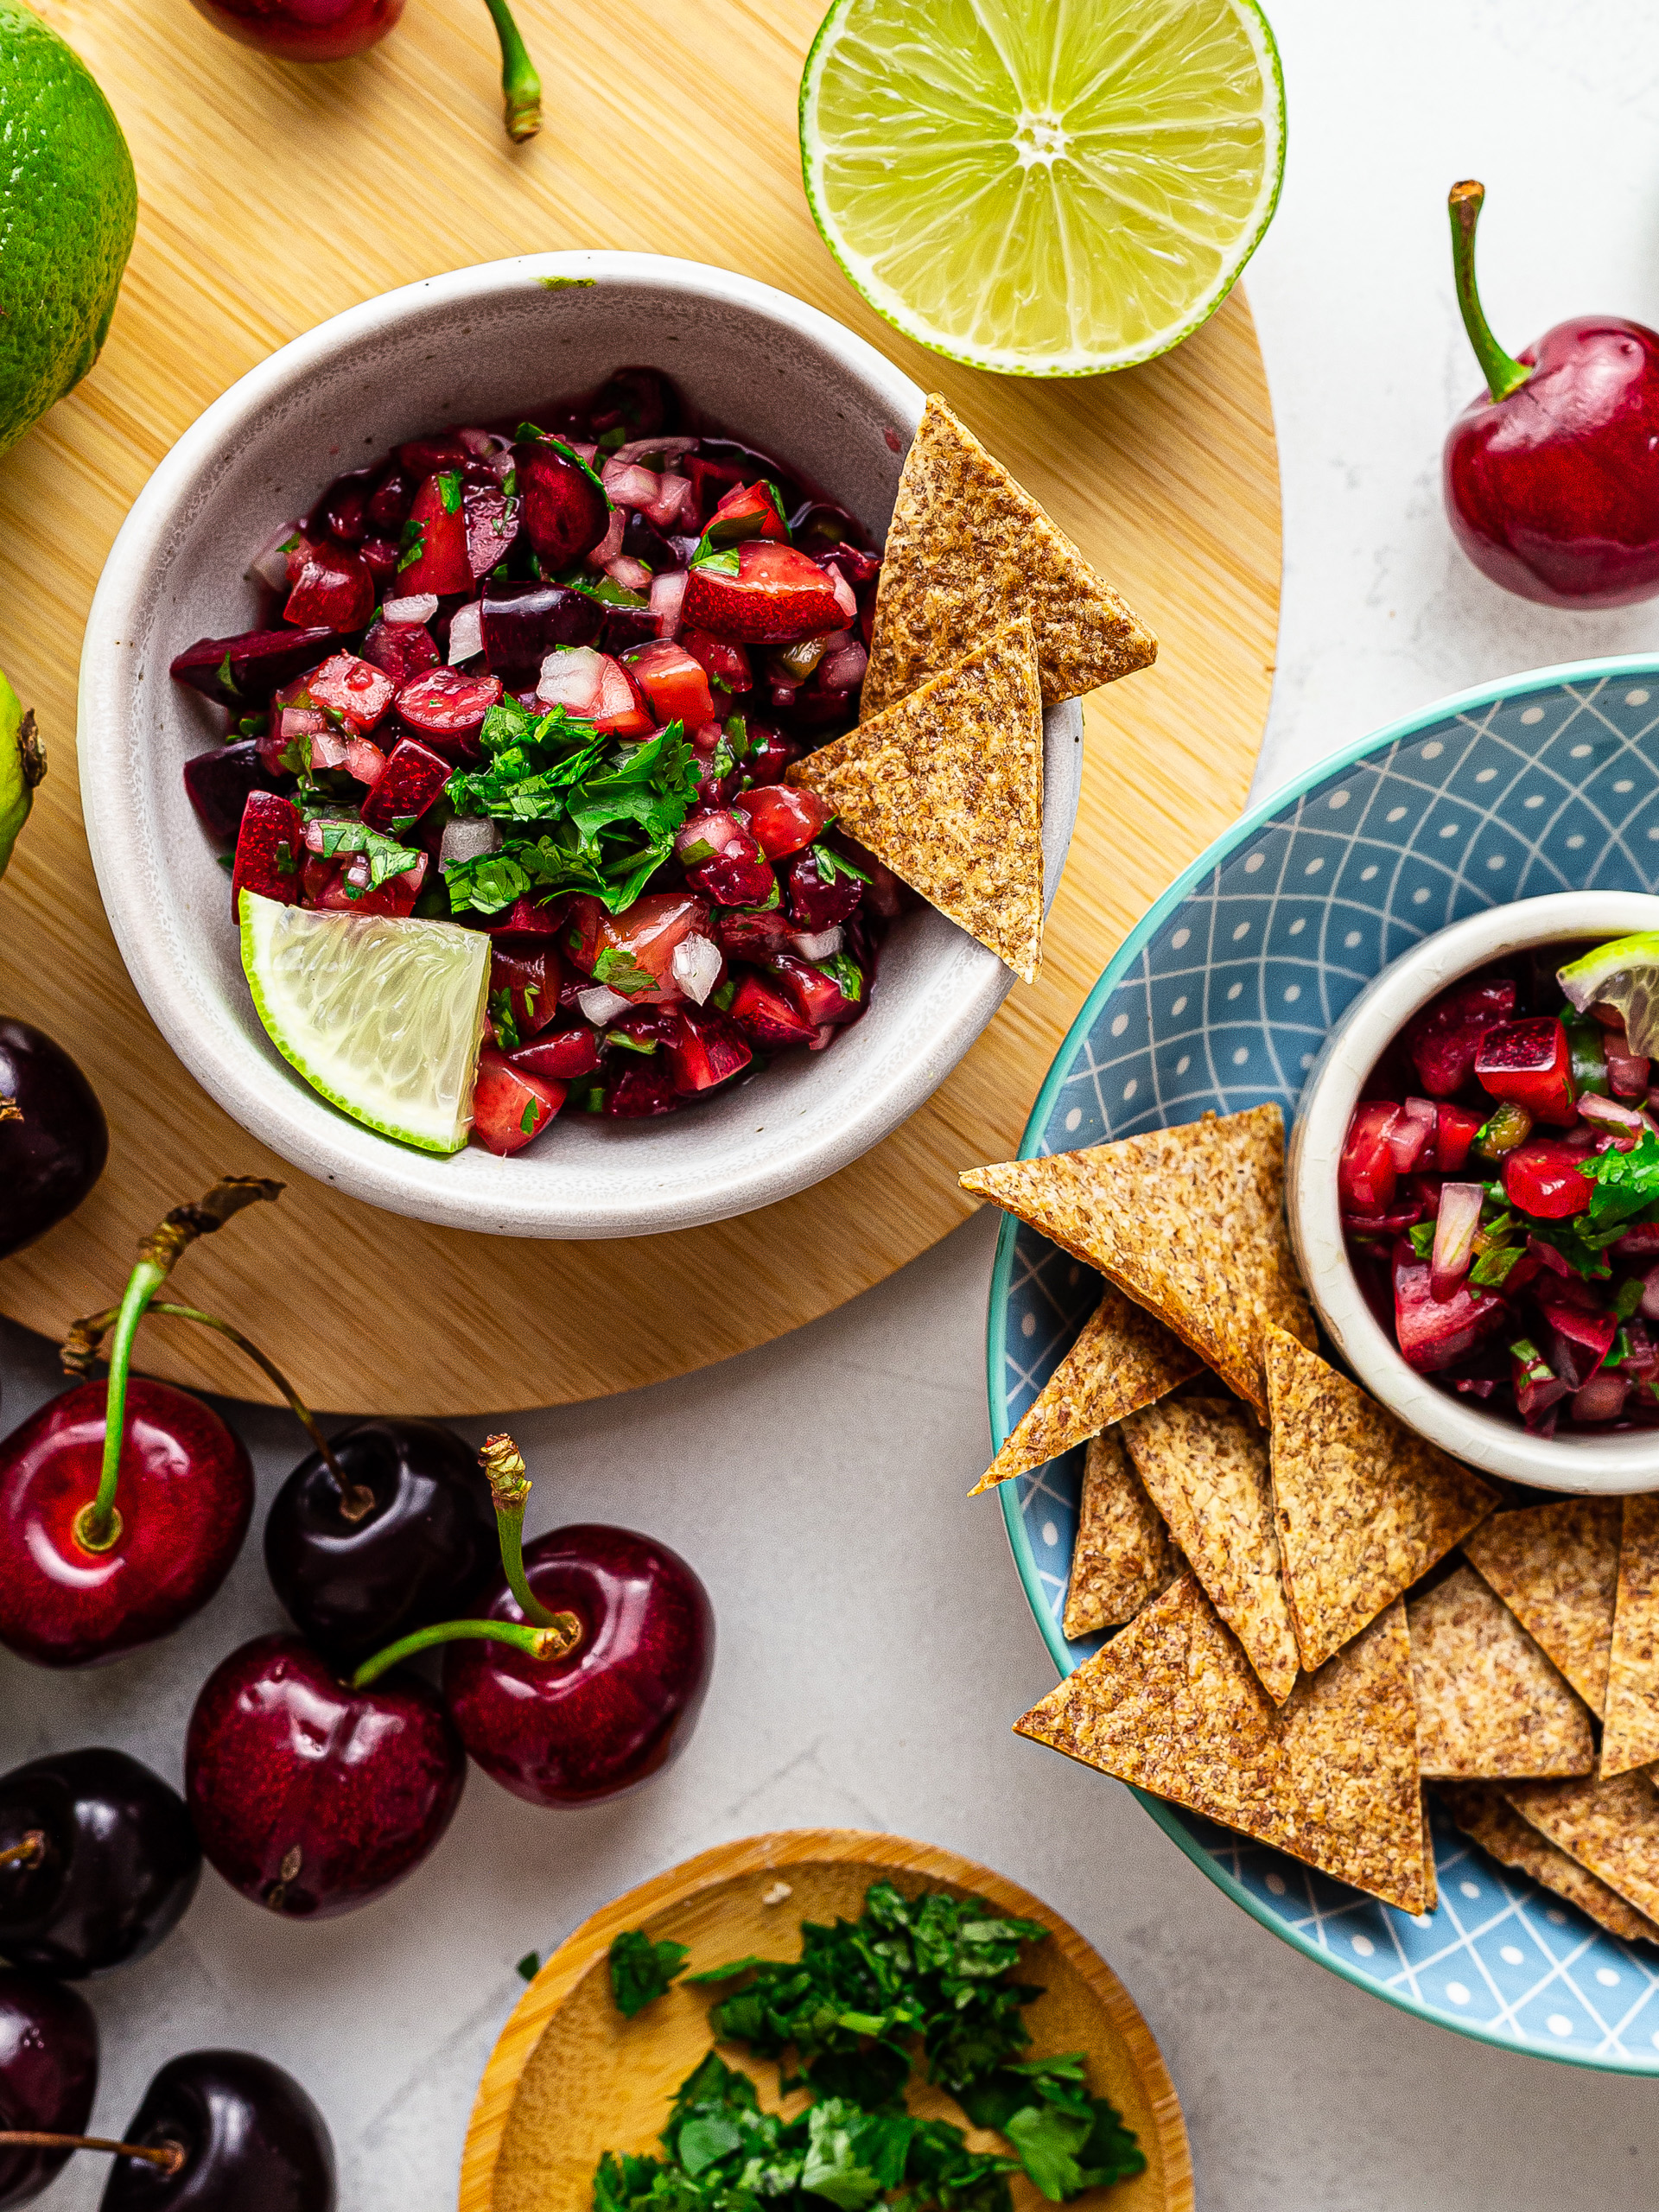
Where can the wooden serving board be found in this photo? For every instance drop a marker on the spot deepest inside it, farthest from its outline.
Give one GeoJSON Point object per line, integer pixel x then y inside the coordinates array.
{"type": "Point", "coordinates": [570, 2078]}
{"type": "Point", "coordinates": [273, 196]}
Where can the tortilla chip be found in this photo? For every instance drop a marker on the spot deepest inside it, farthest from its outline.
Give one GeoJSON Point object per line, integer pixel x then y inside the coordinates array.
{"type": "Point", "coordinates": [1489, 1705]}
{"type": "Point", "coordinates": [1364, 1505]}
{"type": "Point", "coordinates": [1172, 1705]}
{"type": "Point", "coordinates": [1631, 1737]}
{"type": "Point", "coordinates": [1611, 1828]}
{"type": "Point", "coordinates": [1189, 1221]}
{"type": "Point", "coordinates": [968, 550]}
{"type": "Point", "coordinates": [947, 788]}
{"type": "Point", "coordinates": [1122, 1556]}
{"type": "Point", "coordinates": [1556, 1568]}
{"type": "Point", "coordinates": [1204, 1464]}
{"type": "Point", "coordinates": [1480, 1811]}
{"type": "Point", "coordinates": [1122, 1360]}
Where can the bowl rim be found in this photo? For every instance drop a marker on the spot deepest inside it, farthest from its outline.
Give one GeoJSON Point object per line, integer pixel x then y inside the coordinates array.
{"type": "Point", "coordinates": [1168, 1817]}
{"type": "Point", "coordinates": [278, 1109]}
{"type": "Point", "coordinates": [1619, 1463]}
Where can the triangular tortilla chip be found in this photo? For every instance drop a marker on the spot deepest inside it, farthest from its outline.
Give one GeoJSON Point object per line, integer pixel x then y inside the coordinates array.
{"type": "Point", "coordinates": [1204, 1464]}
{"type": "Point", "coordinates": [1631, 1737]}
{"type": "Point", "coordinates": [1489, 1705]}
{"type": "Point", "coordinates": [1556, 1568]}
{"type": "Point", "coordinates": [947, 788]}
{"type": "Point", "coordinates": [1189, 1221]}
{"type": "Point", "coordinates": [1611, 1828]}
{"type": "Point", "coordinates": [968, 550]}
{"type": "Point", "coordinates": [1122, 1360]}
{"type": "Point", "coordinates": [1122, 1556]}
{"type": "Point", "coordinates": [1364, 1505]}
{"type": "Point", "coordinates": [1481, 1812]}
{"type": "Point", "coordinates": [1172, 1705]}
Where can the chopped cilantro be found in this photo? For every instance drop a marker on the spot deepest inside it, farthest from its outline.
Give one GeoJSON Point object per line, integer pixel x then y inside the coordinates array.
{"type": "Point", "coordinates": [722, 994]}
{"type": "Point", "coordinates": [530, 1966]}
{"type": "Point", "coordinates": [1420, 1236]}
{"type": "Point", "coordinates": [449, 492]}
{"type": "Point", "coordinates": [1492, 1267]}
{"type": "Point", "coordinates": [832, 864]}
{"type": "Point", "coordinates": [503, 1022]}
{"type": "Point", "coordinates": [347, 833]}
{"type": "Point", "coordinates": [628, 1043]}
{"type": "Point", "coordinates": [642, 1970]}
{"type": "Point", "coordinates": [1627, 1183]}
{"type": "Point", "coordinates": [1627, 1297]}
{"type": "Point", "coordinates": [527, 1119]}
{"type": "Point", "coordinates": [619, 971]}
{"type": "Point", "coordinates": [411, 544]}
{"type": "Point", "coordinates": [846, 974]}
{"type": "Point", "coordinates": [736, 733]}
{"type": "Point", "coordinates": [226, 680]}
{"type": "Point", "coordinates": [716, 564]}
{"type": "Point", "coordinates": [227, 861]}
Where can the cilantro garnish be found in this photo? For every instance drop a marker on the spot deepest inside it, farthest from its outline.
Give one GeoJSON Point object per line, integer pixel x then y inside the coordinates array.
{"type": "Point", "coordinates": [411, 544]}
{"type": "Point", "coordinates": [716, 564]}
{"type": "Point", "coordinates": [848, 974]}
{"type": "Point", "coordinates": [449, 492]}
{"type": "Point", "coordinates": [226, 680]}
{"type": "Point", "coordinates": [1627, 1183]}
{"type": "Point", "coordinates": [619, 971]}
{"type": "Point", "coordinates": [345, 833]}
{"type": "Point", "coordinates": [641, 1970]}
{"type": "Point", "coordinates": [832, 864]}
{"type": "Point", "coordinates": [530, 1966]}
{"type": "Point", "coordinates": [502, 1021]}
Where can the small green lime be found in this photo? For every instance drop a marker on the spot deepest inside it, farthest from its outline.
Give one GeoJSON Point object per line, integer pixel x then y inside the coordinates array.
{"type": "Point", "coordinates": [1625, 976]}
{"type": "Point", "coordinates": [23, 763]}
{"type": "Point", "coordinates": [68, 206]}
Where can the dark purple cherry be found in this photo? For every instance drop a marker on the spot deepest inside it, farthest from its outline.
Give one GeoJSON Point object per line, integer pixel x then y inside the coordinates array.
{"type": "Point", "coordinates": [217, 783]}
{"type": "Point", "coordinates": [251, 2139]}
{"type": "Point", "coordinates": [565, 512]}
{"type": "Point", "coordinates": [524, 621]}
{"type": "Point", "coordinates": [54, 1139]}
{"type": "Point", "coordinates": [48, 2075]}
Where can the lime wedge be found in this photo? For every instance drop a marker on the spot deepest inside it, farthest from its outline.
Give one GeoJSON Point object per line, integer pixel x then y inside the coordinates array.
{"type": "Point", "coordinates": [382, 1016]}
{"type": "Point", "coordinates": [1625, 976]}
{"type": "Point", "coordinates": [1047, 188]}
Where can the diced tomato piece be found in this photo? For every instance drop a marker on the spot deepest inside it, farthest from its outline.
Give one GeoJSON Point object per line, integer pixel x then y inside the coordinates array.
{"type": "Point", "coordinates": [435, 556]}
{"type": "Point", "coordinates": [721, 661]}
{"type": "Point", "coordinates": [421, 457]}
{"type": "Point", "coordinates": [510, 1105]}
{"type": "Point", "coordinates": [447, 709]}
{"type": "Point", "coordinates": [708, 1049]}
{"type": "Point", "coordinates": [645, 1088]}
{"type": "Point", "coordinates": [269, 847]}
{"type": "Point", "coordinates": [777, 597]}
{"type": "Point", "coordinates": [1432, 1332]}
{"type": "Point", "coordinates": [1544, 1179]}
{"type": "Point", "coordinates": [746, 510]}
{"type": "Point", "coordinates": [559, 1055]}
{"type": "Point", "coordinates": [492, 519]}
{"type": "Point", "coordinates": [1530, 1062]}
{"type": "Point", "coordinates": [333, 588]}
{"type": "Point", "coordinates": [1444, 1039]}
{"type": "Point", "coordinates": [816, 989]}
{"type": "Point", "coordinates": [781, 819]}
{"type": "Point", "coordinates": [765, 1015]}
{"type": "Point", "coordinates": [1455, 1130]}
{"type": "Point", "coordinates": [742, 934]}
{"type": "Point", "coordinates": [1366, 1173]}
{"type": "Point", "coordinates": [413, 780]}
{"type": "Point", "coordinates": [529, 918]}
{"type": "Point", "coordinates": [596, 689]}
{"type": "Point", "coordinates": [531, 980]}
{"type": "Point", "coordinates": [632, 953]}
{"type": "Point", "coordinates": [355, 691]}
{"type": "Point", "coordinates": [675, 686]}
{"type": "Point", "coordinates": [403, 649]}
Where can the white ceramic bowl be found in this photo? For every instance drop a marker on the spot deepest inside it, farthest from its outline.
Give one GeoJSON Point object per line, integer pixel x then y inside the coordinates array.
{"type": "Point", "coordinates": [473, 345]}
{"type": "Point", "coordinates": [1621, 1461]}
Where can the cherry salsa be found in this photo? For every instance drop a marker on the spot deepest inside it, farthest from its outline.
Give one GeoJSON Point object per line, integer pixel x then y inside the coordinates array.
{"type": "Point", "coordinates": [1499, 1188]}
{"type": "Point", "coordinates": [544, 678]}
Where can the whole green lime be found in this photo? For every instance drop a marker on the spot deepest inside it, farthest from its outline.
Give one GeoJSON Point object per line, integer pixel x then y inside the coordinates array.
{"type": "Point", "coordinates": [68, 205]}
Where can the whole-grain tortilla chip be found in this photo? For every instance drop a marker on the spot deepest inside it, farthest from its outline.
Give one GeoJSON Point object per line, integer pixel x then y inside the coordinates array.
{"type": "Point", "coordinates": [1556, 1568]}
{"type": "Point", "coordinates": [1122, 1556]}
{"type": "Point", "coordinates": [968, 550]}
{"type": "Point", "coordinates": [1123, 1360]}
{"type": "Point", "coordinates": [1364, 1506]}
{"type": "Point", "coordinates": [1489, 1705]}
{"type": "Point", "coordinates": [1611, 1828]}
{"type": "Point", "coordinates": [947, 788]}
{"type": "Point", "coordinates": [1481, 1811]}
{"type": "Point", "coordinates": [1189, 1221]}
{"type": "Point", "coordinates": [1204, 1464]}
{"type": "Point", "coordinates": [1172, 1705]}
{"type": "Point", "coordinates": [1632, 1736]}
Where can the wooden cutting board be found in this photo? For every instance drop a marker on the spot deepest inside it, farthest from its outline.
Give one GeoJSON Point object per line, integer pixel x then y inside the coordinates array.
{"type": "Point", "coordinates": [570, 2078]}
{"type": "Point", "coordinates": [273, 196]}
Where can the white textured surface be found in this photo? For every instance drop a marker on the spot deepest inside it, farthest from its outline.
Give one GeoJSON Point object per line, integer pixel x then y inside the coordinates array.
{"type": "Point", "coordinates": [874, 1645]}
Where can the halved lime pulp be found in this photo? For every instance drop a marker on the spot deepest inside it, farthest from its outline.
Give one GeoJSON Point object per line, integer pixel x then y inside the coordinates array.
{"type": "Point", "coordinates": [1624, 975]}
{"type": "Point", "coordinates": [383, 1016]}
{"type": "Point", "coordinates": [1047, 188]}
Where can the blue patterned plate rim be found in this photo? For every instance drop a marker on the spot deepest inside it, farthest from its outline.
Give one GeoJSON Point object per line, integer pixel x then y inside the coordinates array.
{"type": "Point", "coordinates": [1284, 796]}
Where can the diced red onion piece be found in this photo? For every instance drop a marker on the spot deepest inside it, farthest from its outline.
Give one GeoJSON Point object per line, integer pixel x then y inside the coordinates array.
{"type": "Point", "coordinates": [468, 837]}
{"type": "Point", "coordinates": [632, 576]}
{"type": "Point", "coordinates": [611, 544]}
{"type": "Point", "coordinates": [327, 746]}
{"type": "Point", "coordinates": [1602, 1398]}
{"type": "Point", "coordinates": [818, 945]}
{"type": "Point", "coordinates": [419, 606]}
{"type": "Point", "coordinates": [1455, 1236]}
{"type": "Point", "coordinates": [651, 448]}
{"type": "Point", "coordinates": [466, 633]}
{"type": "Point", "coordinates": [629, 486]}
{"type": "Point", "coordinates": [665, 509]}
{"type": "Point", "coordinates": [846, 597]}
{"type": "Point", "coordinates": [583, 450]}
{"type": "Point", "coordinates": [601, 1004]}
{"type": "Point", "coordinates": [696, 965]}
{"type": "Point", "coordinates": [1612, 1114]}
{"type": "Point", "coordinates": [1412, 1134]}
{"type": "Point", "coordinates": [682, 548]}
{"type": "Point", "coordinates": [667, 597]}
{"type": "Point", "coordinates": [270, 563]}
{"type": "Point", "coordinates": [1650, 1295]}
{"type": "Point", "coordinates": [1627, 1072]}
{"type": "Point", "coordinates": [572, 678]}
{"type": "Point", "coordinates": [486, 444]}
{"type": "Point", "coordinates": [303, 722]}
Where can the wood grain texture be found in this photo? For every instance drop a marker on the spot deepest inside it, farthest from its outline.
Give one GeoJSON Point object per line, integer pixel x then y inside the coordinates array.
{"type": "Point", "coordinates": [272, 197]}
{"type": "Point", "coordinates": [570, 2078]}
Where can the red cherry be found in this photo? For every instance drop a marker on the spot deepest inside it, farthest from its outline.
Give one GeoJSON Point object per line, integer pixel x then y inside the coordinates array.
{"type": "Point", "coordinates": [305, 30]}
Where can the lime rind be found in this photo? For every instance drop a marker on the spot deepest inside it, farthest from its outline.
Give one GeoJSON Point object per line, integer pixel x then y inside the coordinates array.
{"type": "Point", "coordinates": [977, 91]}
{"type": "Point", "coordinates": [1624, 975]}
{"type": "Point", "coordinates": [381, 1015]}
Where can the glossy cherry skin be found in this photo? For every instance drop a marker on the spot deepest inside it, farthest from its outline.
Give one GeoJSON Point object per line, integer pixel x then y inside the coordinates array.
{"type": "Point", "coordinates": [48, 2075]}
{"type": "Point", "coordinates": [54, 1139]}
{"type": "Point", "coordinates": [310, 1798]}
{"type": "Point", "coordinates": [185, 1498]}
{"type": "Point", "coordinates": [253, 2141]}
{"type": "Point", "coordinates": [625, 1702]}
{"type": "Point", "coordinates": [120, 1862]}
{"type": "Point", "coordinates": [1554, 492]}
{"type": "Point", "coordinates": [305, 30]}
{"type": "Point", "coordinates": [427, 1548]}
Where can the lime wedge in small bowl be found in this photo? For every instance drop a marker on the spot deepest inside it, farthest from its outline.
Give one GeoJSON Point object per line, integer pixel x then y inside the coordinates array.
{"type": "Point", "coordinates": [1045, 188]}
{"type": "Point", "coordinates": [1625, 976]}
{"type": "Point", "coordinates": [382, 1015]}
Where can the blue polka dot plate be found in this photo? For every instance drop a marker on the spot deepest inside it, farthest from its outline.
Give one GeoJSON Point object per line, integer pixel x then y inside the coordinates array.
{"type": "Point", "coordinates": [1220, 999]}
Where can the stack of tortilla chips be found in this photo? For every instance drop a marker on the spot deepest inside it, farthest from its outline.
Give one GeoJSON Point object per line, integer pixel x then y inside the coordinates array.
{"type": "Point", "coordinates": [985, 615]}
{"type": "Point", "coordinates": [1300, 1647]}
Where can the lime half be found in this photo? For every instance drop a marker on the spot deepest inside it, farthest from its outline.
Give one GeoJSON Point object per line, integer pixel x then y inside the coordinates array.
{"type": "Point", "coordinates": [1047, 188]}
{"type": "Point", "coordinates": [382, 1016]}
{"type": "Point", "coordinates": [1625, 976]}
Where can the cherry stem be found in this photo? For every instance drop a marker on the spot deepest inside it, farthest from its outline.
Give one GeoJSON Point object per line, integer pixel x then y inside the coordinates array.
{"type": "Point", "coordinates": [169, 2156]}
{"type": "Point", "coordinates": [1503, 373]}
{"type": "Point", "coordinates": [29, 1853]}
{"type": "Point", "coordinates": [540, 1642]}
{"type": "Point", "coordinates": [520, 86]}
{"type": "Point", "coordinates": [504, 1464]}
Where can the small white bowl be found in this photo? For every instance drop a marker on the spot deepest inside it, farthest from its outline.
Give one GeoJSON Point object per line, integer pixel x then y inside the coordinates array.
{"type": "Point", "coordinates": [474, 344]}
{"type": "Point", "coordinates": [1611, 1464]}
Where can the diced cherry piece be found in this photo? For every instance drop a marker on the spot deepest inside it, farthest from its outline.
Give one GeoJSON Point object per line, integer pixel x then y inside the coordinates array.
{"type": "Point", "coordinates": [403, 649]}
{"type": "Point", "coordinates": [645, 1088]}
{"type": "Point", "coordinates": [710, 481]}
{"type": "Point", "coordinates": [674, 683]}
{"type": "Point", "coordinates": [530, 918]}
{"type": "Point", "coordinates": [708, 1049]}
{"type": "Point", "coordinates": [1628, 1074]}
{"type": "Point", "coordinates": [777, 597]}
{"type": "Point", "coordinates": [565, 513]}
{"type": "Point", "coordinates": [858, 567]}
{"type": "Point", "coordinates": [815, 902]}
{"type": "Point", "coordinates": [747, 936]}
{"type": "Point", "coordinates": [343, 509]}
{"type": "Point", "coordinates": [1536, 1385]}
{"type": "Point", "coordinates": [770, 754]}
{"type": "Point", "coordinates": [1530, 1062]}
{"type": "Point", "coordinates": [1543, 1178]}
{"type": "Point", "coordinates": [270, 848]}
{"type": "Point", "coordinates": [447, 709]}
{"type": "Point", "coordinates": [746, 510]}
{"type": "Point", "coordinates": [781, 819]}
{"type": "Point", "coordinates": [624, 627]}
{"type": "Point", "coordinates": [1455, 1130]}
{"type": "Point", "coordinates": [383, 555]}
{"type": "Point", "coordinates": [492, 518]}
{"type": "Point", "coordinates": [218, 784]}
{"type": "Point", "coordinates": [510, 1105]}
{"type": "Point", "coordinates": [632, 953]}
{"type": "Point", "coordinates": [426, 456]}
{"type": "Point", "coordinates": [523, 622]}
{"type": "Point", "coordinates": [817, 993]}
{"type": "Point", "coordinates": [334, 590]}
{"type": "Point", "coordinates": [722, 859]}
{"type": "Point", "coordinates": [434, 557]}
{"type": "Point", "coordinates": [531, 980]}
{"type": "Point", "coordinates": [723, 662]}
{"type": "Point", "coordinates": [1434, 1333]}
{"type": "Point", "coordinates": [1590, 1334]}
{"type": "Point", "coordinates": [413, 779]}
{"type": "Point", "coordinates": [641, 400]}
{"type": "Point", "coordinates": [767, 1016]}
{"type": "Point", "coordinates": [559, 1055]}
{"type": "Point", "coordinates": [242, 671]}
{"type": "Point", "coordinates": [391, 499]}
{"type": "Point", "coordinates": [355, 690]}
{"type": "Point", "coordinates": [1366, 1173]}
{"type": "Point", "coordinates": [1445, 1038]}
